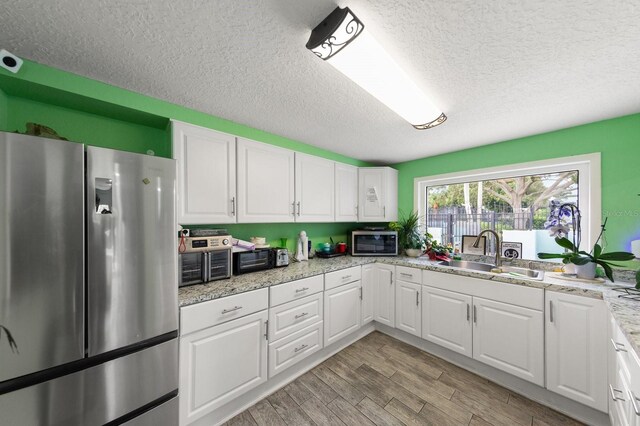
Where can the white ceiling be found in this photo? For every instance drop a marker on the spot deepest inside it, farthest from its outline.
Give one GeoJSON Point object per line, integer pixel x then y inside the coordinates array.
{"type": "Point", "coordinates": [499, 70]}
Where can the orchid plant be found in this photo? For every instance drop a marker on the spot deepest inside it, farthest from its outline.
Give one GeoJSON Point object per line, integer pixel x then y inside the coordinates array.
{"type": "Point", "coordinates": [12, 342]}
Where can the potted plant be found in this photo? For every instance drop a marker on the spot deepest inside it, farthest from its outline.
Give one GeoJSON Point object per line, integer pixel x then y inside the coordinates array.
{"type": "Point", "coordinates": [435, 250]}
{"type": "Point", "coordinates": [409, 237]}
{"type": "Point", "coordinates": [587, 262]}
{"type": "Point", "coordinates": [12, 342]}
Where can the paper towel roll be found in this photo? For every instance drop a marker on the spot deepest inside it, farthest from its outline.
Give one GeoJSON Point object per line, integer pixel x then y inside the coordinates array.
{"type": "Point", "coordinates": [635, 248]}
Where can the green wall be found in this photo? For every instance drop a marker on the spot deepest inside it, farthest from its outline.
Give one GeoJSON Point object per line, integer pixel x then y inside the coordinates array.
{"type": "Point", "coordinates": [95, 113]}
{"type": "Point", "coordinates": [618, 141]}
{"type": "Point", "coordinates": [88, 128]}
{"type": "Point", "coordinates": [3, 110]}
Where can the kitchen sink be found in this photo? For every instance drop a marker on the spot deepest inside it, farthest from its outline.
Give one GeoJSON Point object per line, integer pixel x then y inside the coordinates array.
{"type": "Point", "coordinates": [465, 264]}
{"type": "Point", "coordinates": [513, 271]}
{"type": "Point", "coordinates": [531, 274]}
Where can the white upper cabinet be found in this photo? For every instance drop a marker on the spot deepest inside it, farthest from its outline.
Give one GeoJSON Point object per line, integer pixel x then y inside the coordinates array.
{"type": "Point", "coordinates": [266, 175]}
{"type": "Point", "coordinates": [206, 184]}
{"type": "Point", "coordinates": [378, 194]}
{"type": "Point", "coordinates": [346, 193]}
{"type": "Point", "coordinates": [314, 183]}
{"type": "Point", "coordinates": [576, 337]}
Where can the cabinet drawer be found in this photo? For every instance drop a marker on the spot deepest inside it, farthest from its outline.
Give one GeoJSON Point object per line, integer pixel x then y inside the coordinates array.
{"type": "Point", "coordinates": [412, 275]}
{"type": "Point", "coordinates": [294, 348]}
{"type": "Point", "coordinates": [341, 277]}
{"type": "Point", "coordinates": [293, 316]}
{"type": "Point", "coordinates": [298, 289]}
{"type": "Point", "coordinates": [206, 314]}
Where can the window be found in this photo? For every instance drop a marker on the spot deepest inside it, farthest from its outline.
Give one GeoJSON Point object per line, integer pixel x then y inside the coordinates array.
{"type": "Point", "coordinates": [511, 200]}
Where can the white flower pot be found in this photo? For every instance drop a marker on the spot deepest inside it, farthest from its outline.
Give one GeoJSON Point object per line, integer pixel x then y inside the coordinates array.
{"type": "Point", "coordinates": [587, 272]}
{"type": "Point", "coordinates": [413, 252]}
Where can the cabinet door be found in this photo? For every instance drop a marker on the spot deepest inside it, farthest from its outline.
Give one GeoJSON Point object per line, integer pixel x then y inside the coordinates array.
{"type": "Point", "coordinates": [509, 338]}
{"type": "Point", "coordinates": [391, 195]}
{"type": "Point", "coordinates": [576, 348]}
{"type": "Point", "coordinates": [346, 193]}
{"type": "Point", "coordinates": [265, 183]}
{"type": "Point", "coordinates": [368, 284]}
{"type": "Point", "coordinates": [206, 179]}
{"type": "Point", "coordinates": [408, 312]}
{"type": "Point", "coordinates": [314, 189]}
{"type": "Point", "coordinates": [342, 311]}
{"type": "Point", "coordinates": [220, 363]}
{"type": "Point", "coordinates": [371, 190]}
{"type": "Point", "coordinates": [446, 319]}
{"type": "Point", "coordinates": [384, 295]}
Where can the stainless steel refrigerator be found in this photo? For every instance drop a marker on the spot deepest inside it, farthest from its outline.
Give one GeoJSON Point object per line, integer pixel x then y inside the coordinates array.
{"type": "Point", "coordinates": [88, 285]}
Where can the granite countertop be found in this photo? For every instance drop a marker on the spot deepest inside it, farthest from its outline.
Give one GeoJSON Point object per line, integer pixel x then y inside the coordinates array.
{"type": "Point", "coordinates": [626, 312]}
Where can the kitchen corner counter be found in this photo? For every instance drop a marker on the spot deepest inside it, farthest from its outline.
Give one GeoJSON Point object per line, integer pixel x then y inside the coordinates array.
{"type": "Point", "coordinates": [624, 311]}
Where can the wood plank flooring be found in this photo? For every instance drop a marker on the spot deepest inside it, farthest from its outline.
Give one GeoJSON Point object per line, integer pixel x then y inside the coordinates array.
{"type": "Point", "coordinates": [379, 380]}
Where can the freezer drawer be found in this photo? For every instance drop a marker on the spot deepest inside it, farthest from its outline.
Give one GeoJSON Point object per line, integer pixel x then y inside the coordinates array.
{"type": "Point", "coordinates": [131, 248]}
{"type": "Point", "coordinates": [165, 414]}
{"type": "Point", "coordinates": [41, 253]}
{"type": "Point", "coordinates": [98, 394]}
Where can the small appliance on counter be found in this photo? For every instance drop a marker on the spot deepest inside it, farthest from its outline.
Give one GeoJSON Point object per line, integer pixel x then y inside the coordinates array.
{"type": "Point", "coordinates": [259, 260]}
{"type": "Point", "coordinates": [204, 256]}
{"type": "Point", "coordinates": [374, 242]}
{"type": "Point", "coordinates": [281, 257]}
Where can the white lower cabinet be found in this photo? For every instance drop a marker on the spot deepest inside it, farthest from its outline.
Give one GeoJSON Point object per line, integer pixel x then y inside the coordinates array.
{"type": "Point", "coordinates": [294, 348]}
{"type": "Point", "coordinates": [576, 333]}
{"type": "Point", "coordinates": [408, 312]}
{"type": "Point", "coordinates": [342, 311]}
{"type": "Point", "coordinates": [366, 293]}
{"type": "Point", "coordinates": [384, 295]}
{"type": "Point", "coordinates": [206, 379]}
{"type": "Point", "coordinates": [446, 319]}
{"type": "Point", "coordinates": [510, 338]}
{"type": "Point", "coordinates": [293, 316]}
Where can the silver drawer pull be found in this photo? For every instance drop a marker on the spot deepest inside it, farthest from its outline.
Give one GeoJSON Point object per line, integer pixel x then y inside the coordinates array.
{"type": "Point", "coordinates": [346, 277]}
{"type": "Point", "coordinates": [299, 348]}
{"type": "Point", "coordinates": [619, 347]}
{"type": "Point", "coordinates": [634, 402]}
{"type": "Point", "coordinates": [235, 308]}
{"type": "Point", "coordinates": [304, 314]}
{"type": "Point", "coordinates": [299, 290]}
{"type": "Point", "coordinates": [404, 274]}
{"type": "Point", "coordinates": [613, 394]}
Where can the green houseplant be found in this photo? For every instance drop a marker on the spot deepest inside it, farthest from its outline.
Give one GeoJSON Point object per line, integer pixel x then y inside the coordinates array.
{"type": "Point", "coordinates": [595, 257]}
{"type": "Point", "coordinates": [409, 237]}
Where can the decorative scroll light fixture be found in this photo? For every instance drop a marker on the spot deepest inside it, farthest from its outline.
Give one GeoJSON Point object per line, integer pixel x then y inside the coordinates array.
{"type": "Point", "coordinates": [341, 41]}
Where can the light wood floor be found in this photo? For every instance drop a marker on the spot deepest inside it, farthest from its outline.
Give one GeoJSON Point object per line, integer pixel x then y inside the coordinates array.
{"type": "Point", "coordinates": [381, 381]}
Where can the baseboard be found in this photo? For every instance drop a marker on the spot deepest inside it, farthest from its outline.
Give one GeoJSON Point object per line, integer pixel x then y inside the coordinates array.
{"type": "Point", "coordinates": [536, 393]}
{"type": "Point", "coordinates": [238, 405]}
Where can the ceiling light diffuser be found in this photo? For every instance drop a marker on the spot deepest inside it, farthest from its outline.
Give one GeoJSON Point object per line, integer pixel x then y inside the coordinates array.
{"type": "Point", "coordinates": [342, 41]}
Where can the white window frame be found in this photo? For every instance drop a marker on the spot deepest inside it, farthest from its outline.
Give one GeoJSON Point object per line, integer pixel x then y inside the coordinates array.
{"type": "Point", "coordinates": [589, 188]}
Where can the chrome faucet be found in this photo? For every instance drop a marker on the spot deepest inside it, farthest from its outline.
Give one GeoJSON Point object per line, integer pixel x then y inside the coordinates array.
{"type": "Point", "coordinates": [495, 234]}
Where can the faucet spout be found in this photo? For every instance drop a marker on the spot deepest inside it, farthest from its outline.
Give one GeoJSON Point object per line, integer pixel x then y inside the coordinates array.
{"type": "Point", "coordinates": [498, 261]}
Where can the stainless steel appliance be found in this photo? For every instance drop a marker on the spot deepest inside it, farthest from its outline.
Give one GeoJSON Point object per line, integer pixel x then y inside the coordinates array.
{"type": "Point", "coordinates": [281, 256]}
{"type": "Point", "coordinates": [204, 259]}
{"type": "Point", "coordinates": [252, 261]}
{"type": "Point", "coordinates": [95, 312]}
{"type": "Point", "coordinates": [366, 242]}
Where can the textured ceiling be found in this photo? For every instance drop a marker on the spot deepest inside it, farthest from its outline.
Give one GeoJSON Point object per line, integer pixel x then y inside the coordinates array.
{"type": "Point", "coordinates": [499, 69]}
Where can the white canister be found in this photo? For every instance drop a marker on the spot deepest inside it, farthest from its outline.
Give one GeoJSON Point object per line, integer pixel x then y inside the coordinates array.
{"type": "Point", "coordinates": [635, 248]}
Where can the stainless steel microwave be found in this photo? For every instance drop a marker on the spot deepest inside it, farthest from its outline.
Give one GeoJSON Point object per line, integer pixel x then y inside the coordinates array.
{"type": "Point", "coordinates": [374, 243]}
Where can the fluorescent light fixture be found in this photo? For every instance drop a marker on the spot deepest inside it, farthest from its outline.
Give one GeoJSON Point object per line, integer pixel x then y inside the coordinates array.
{"type": "Point", "coordinates": [342, 42]}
